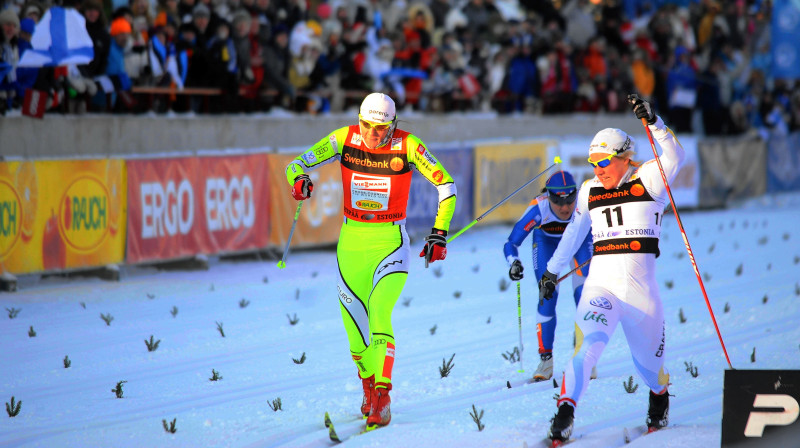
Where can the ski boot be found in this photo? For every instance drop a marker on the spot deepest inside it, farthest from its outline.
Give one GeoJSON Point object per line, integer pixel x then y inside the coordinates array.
{"type": "Point", "coordinates": [368, 384]}
{"type": "Point", "coordinates": [658, 413]}
{"type": "Point", "coordinates": [561, 428]}
{"type": "Point", "coordinates": [379, 413]}
{"type": "Point", "coordinates": [545, 370]}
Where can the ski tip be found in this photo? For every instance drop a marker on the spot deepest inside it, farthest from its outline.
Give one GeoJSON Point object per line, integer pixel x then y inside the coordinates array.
{"type": "Point", "coordinates": [281, 264]}
{"type": "Point", "coordinates": [327, 420]}
{"type": "Point", "coordinates": [333, 436]}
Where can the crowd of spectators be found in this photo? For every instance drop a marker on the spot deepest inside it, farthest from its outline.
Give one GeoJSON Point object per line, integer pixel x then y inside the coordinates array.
{"type": "Point", "coordinates": [707, 59]}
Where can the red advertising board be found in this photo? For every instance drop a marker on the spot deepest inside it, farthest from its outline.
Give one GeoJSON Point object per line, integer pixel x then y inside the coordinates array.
{"type": "Point", "coordinates": [178, 207]}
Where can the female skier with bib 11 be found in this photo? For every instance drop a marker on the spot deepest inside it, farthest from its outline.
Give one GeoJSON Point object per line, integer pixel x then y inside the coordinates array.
{"type": "Point", "coordinates": [373, 250]}
{"type": "Point", "coordinates": [622, 206]}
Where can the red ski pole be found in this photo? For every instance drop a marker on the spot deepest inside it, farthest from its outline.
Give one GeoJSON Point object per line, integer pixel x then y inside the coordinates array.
{"type": "Point", "coordinates": [686, 240]}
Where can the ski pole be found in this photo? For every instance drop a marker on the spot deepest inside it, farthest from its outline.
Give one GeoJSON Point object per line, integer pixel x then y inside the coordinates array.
{"type": "Point", "coordinates": [686, 240]}
{"type": "Point", "coordinates": [282, 263]}
{"type": "Point", "coordinates": [556, 161]}
{"type": "Point", "coordinates": [563, 277]}
{"type": "Point", "coordinates": [519, 320]}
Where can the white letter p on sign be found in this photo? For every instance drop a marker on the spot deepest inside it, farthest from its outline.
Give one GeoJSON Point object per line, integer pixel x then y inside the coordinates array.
{"type": "Point", "coordinates": [758, 420]}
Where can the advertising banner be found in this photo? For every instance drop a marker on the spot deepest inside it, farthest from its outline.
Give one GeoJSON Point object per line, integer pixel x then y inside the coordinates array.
{"type": "Point", "coordinates": [423, 199]}
{"type": "Point", "coordinates": [685, 187]}
{"type": "Point", "coordinates": [502, 168]}
{"type": "Point", "coordinates": [321, 216]}
{"type": "Point", "coordinates": [57, 215]}
{"type": "Point", "coordinates": [783, 163]}
{"type": "Point", "coordinates": [733, 168]}
{"type": "Point", "coordinates": [184, 206]}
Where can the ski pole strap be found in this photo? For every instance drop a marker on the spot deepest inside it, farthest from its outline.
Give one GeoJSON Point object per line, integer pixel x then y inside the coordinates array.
{"type": "Point", "coordinates": [556, 161]}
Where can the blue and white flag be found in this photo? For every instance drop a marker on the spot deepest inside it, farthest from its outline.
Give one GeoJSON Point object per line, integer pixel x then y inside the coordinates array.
{"type": "Point", "coordinates": [786, 39]}
{"type": "Point", "coordinates": [60, 38]}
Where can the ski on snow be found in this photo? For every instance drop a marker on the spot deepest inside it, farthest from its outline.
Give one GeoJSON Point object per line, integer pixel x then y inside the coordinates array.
{"type": "Point", "coordinates": [346, 431]}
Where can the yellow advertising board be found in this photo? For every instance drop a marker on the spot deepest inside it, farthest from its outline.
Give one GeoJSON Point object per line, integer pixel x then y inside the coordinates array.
{"type": "Point", "coordinates": [57, 215]}
{"type": "Point", "coordinates": [502, 168]}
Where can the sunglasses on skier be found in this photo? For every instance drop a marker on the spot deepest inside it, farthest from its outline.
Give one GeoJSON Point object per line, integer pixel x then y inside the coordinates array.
{"type": "Point", "coordinates": [602, 163]}
{"type": "Point", "coordinates": [565, 199]}
{"type": "Point", "coordinates": [380, 127]}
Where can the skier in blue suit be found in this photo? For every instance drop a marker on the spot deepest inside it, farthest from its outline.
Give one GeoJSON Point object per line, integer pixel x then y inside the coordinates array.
{"type": "Point", "coordinates": [547, 216]}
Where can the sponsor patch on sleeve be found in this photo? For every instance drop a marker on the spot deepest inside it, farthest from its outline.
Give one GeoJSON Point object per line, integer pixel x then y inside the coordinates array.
{"type": "Point", "coordinates": [309, 157]}
{"type": "Point", "coordinates": [356, 140]}
{"type": "Point", "coordinates": [397, 144]}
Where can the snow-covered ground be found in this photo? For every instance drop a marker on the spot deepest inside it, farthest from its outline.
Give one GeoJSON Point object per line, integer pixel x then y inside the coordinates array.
{"type": "Point", "coordinates": [75, 406]}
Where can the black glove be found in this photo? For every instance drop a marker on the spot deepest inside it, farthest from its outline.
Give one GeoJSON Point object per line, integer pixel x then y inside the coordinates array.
{"type": "Point", "coordinates": [547, 285]}
{"type": "Point", "coordinates": [515, 272]}
{"type": "Point", "coordinates": [302, 187]}
{"type": "Point", "coordinates": [642, 108]}
{"type": "Point", "coordinates": [435, 246]}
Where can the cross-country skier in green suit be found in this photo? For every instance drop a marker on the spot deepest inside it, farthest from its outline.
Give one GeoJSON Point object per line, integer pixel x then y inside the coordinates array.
{"type": "Point", "coordinates": [373, 252]}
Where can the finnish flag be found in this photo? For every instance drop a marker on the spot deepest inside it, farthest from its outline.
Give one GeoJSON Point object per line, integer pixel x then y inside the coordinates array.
{"type": "Point", "coordinates": [60, 38]}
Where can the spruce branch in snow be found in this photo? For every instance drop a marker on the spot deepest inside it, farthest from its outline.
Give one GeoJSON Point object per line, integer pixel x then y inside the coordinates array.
{"type": "Point", "coordinates": [151, 296]}
{"type": "Point", "coordinates": [763, 240]}
{"type": "Point", "coordinates": [301, 360]}
{"type": "Point", "coordinates": [171, 427]}
{"type": "Point", "coordinates": [152, 345]}
{"type": "Point", "coordinates": [211, 288]}
{"type": "Point", "coordinates": [735, 245]}
{"type": "Point", "coordinates": [727, 307]}
{"type": "Point", "coordinates": [83, 305]}
{"type": "Point", "coordinates": [31, 332]}
{"type": "Point", "coordinates": [711, 248]}
{"type": "Point", "coordinates": [691, 369]}
{"type": "Point", "coordinates": [446, 367]}
{"type": "Point", "coordinates": [314, 274]}
{"type": "Point", "coordinates": [555, 384]}
{"type": "Point", "coordinates": [504, 284]}
{"type": "Point", "coordinates": [764, 299]}
{"type": "Point", "coordinates": [669, 284]}
{"type": "Point", "coordinates": [407, 301]}
{"type": "Point", "coordinates": [433, 330]}
{"type": "Point", "coordinates": [293, 320]}
{"type": "Point", "coordinates": [457, 294]}
{"type": "Point", "coordinates": [769, 266]}
{"type": "Point", "coordinates": [706, 276]}
{"type": "Point", "coordinates": [67, 362]}
{"type": "Point", "coordinates": [265, 279]}
{"type": "Point", "coordinates": [796, 259]}
{"type": "Point", "coordinates": [476, 268]}
{"type": "Point", "coordinates": [118, 390]}
{"type": "Point", "coordinates": [786, 237]}
{"type": "Point", "coordinates": [13, 408]}
{"type": "Point", "coordinates": [473, 249]}
{"type": "Point", "coordinates": [219, 328]}
{"type": "Point", "coordinates": [753, 355]}
{"type": "Point", "coordinates": [297, 294]}
{"type": "Point", "coordinates": [437, 271]}
{"type": "Point", "coordinates": [174, 311]}
{"type": "Point", "coordinates": [681, 316]}
{"type": "Point", "coordinates": [243, 303]}
{"type": "Point", "coordinates": [739, 269]}
{"type": "Point", "coordinates": [215, 376]}
{"type": "Point", "coordinates": [107, 318]}
{"type": "Point", "coordinates": [629, 386]}
{"type": "Point", "coordinates": [476, 417]}
{"type": "Point", "coordinates": [275, 405]}
{"type": "Point", "coordinates": [797, 289]}
{"type": "Point", "coordinates": [512, 356]}
{"type": "Point", "coordinates": [12, 312]}
{"type": "Point", "coordinates": [556, 396]}
{"type": "Point", "coordinates": [489, 320]}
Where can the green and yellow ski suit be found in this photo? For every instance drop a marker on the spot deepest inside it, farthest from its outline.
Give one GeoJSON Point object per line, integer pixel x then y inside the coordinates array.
{"type": "Point", "coordinates": [373, 252]}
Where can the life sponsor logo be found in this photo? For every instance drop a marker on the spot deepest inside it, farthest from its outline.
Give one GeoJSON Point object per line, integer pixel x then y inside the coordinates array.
{"type": "Point", "coordinates": [167, 208]}
{"type": "Point", "coordinates": [600, 318]}
{"type": "Point", "coordinates": [637, 189]}
{"type": "Point", "coordinates": [229, 203]}
{"type": "Point", "coordinates": [396, 164]}
{"type": "Point", "coordinates": [437, 176]}
{"type": "Point", "coordinates": [83, 213]}
{"type": "Point", "coordinates": [10, 217]}
{"type": "Point", "coordinates": [600, 302]}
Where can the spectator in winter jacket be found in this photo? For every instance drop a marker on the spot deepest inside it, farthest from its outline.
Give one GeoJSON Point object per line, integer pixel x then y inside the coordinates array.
{"type": "Point", "coordinates": [9, 58]}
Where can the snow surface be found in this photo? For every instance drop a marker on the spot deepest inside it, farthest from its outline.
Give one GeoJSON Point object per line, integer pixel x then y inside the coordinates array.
{"type": "Point", "coordinates": [75, 407]}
